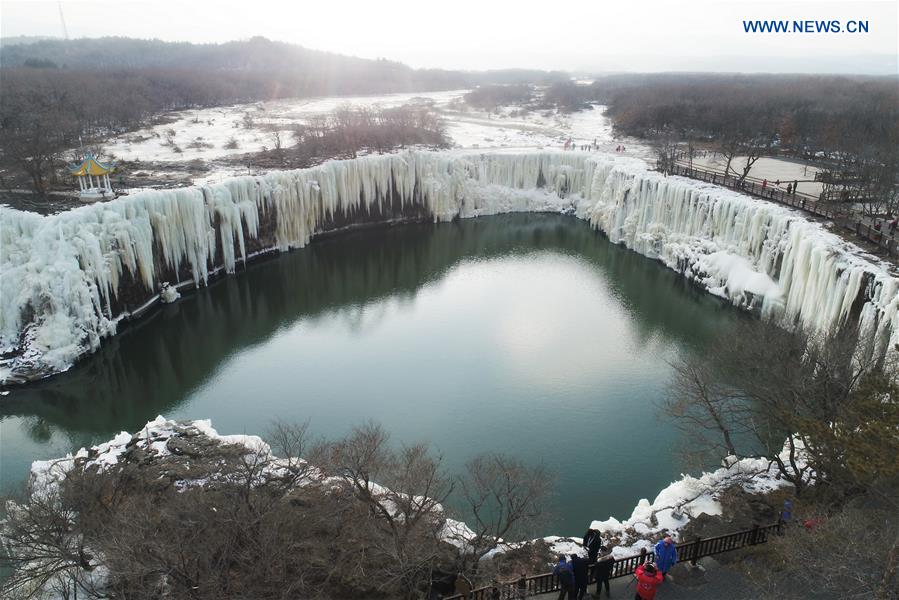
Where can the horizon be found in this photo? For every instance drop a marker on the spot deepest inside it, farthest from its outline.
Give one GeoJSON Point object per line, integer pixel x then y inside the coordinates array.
{"type": "Point", "coordinates": [670, 36]}
{"type": "Point", "coordinates": [884, 71]}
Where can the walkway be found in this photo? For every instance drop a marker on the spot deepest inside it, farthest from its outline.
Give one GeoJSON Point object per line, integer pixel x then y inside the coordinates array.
{"type": "Point", "coordinates": [886, 244]}
{"type": "Point", "coordinates": [716, 582]}
{"type": "Point", "coordinates": [694, 551]}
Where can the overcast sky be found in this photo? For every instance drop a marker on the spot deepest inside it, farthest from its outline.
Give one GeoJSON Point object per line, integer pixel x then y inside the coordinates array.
{"type": "Point", "coordinates": [588, 35]}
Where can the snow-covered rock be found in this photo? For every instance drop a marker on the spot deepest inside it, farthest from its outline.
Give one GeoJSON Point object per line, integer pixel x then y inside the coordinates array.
{"type": "Point", "coordinates": [671, 510]}
{"type": "Point", "coordinates": [687, 498]}
{"type": "Point", "coordinates": [168, 293]}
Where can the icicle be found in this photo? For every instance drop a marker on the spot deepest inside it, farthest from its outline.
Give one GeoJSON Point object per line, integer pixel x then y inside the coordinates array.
{"type": "Point", "coordinates": [61, 275]}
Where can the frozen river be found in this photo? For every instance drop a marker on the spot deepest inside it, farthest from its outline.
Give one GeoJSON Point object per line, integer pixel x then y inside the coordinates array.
{"type": "Point", "coordinates": [211, 134]}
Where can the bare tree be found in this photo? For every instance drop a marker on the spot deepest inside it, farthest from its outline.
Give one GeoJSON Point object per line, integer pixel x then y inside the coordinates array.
{"type": "Point", "coordinates": [44, 546]}
{"type": "Point", "coordinates": [207, 519]}
{"type": "Point", "coordinates": [798, 401]}
{"type": "Point", "coordinates": [403, 490]}
{"type": "Point", "coordinates": [37, 127]}
{"type": "Point", "coordinates": [277, 145]}
{"type": "Point", "coordinates": [504, 499]}
{"type": "Point", "coordinates": [667, 149]}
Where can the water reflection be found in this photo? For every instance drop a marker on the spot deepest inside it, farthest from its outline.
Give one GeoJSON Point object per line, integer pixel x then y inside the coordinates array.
{"type": "Point", "coordinates": [398, 307]}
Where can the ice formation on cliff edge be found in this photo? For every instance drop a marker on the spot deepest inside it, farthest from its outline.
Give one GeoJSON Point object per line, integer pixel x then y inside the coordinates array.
{"type": "Point", "coordinates": [60, 273]}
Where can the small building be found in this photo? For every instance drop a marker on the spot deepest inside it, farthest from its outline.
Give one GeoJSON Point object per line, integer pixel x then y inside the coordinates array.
{"type": "Point", "coordinates": [93, 177]}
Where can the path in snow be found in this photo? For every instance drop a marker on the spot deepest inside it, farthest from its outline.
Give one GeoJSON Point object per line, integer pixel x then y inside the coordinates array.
{"type": "Point", "coordinates": [772, 169]}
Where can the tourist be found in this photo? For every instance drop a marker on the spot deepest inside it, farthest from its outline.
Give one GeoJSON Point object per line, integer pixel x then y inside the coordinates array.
{"type": "Point", "coordinates": [648, 581]}
{"type": "Point", "coordinates": [786, 515]}
{"type": "Point", "coordinates": [893, 224]}
{"type": "Point", "coordinates": [795, 185]}
{"type": "Point", "coordinates": [789, 188]}
{"type": "Point", "coordinates": [566, 579]}
{"type": "Point", "coordinates": [593, 544]}
{"type": "Point", "coordinates": [579, 568]}
{"type": "Point", "coordinates": [666, 555]}
{"type": "Point", "coordinates": [603, 572]}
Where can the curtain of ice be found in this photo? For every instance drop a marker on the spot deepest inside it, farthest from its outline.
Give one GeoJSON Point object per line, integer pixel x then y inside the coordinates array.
{"type": "Point", "coordinates": [60, 273]}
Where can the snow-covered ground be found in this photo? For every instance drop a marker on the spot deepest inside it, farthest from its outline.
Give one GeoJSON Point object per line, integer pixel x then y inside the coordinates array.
{"type": "Point", "coordinates": [212, 134]}
{"type": "Point", "coordinates": [204, 134]}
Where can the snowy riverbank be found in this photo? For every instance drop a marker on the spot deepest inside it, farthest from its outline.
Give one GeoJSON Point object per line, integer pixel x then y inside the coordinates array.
{"type": "Point", "coordinates": [67, 280]}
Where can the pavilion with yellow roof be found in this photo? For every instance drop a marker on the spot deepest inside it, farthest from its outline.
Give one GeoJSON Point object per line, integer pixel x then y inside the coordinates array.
{"type": "Point", "coordinates": [93, 177]}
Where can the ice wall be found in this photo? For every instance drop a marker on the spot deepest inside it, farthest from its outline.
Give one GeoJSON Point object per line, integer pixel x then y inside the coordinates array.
{"type": "Point", "coordinates": [754, 253]}
{"type": "Point", "coordinates": [63, 277]}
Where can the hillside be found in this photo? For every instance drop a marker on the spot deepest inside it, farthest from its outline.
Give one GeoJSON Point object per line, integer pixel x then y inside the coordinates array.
{"type": "Point", "coordinates": [300, 70]}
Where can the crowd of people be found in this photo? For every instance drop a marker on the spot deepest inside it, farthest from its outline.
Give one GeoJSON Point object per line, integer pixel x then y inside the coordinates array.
{"type": "Point", "coordinates": [573, 571]}
{"type": "Point", "coordinates": [570, 144]}
{"type": "Point", "coordinates": [573, 574]}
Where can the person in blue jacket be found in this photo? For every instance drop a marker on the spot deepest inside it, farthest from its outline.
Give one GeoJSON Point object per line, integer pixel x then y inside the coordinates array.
{"type": "Point", "coordinates": [666, 555]}
{"type": "Point", "coordinates": [565, 574]}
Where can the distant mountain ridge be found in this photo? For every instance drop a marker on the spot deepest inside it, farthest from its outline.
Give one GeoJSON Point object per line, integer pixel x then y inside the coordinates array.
{"type": "Point", "coordinates": [257, 55]}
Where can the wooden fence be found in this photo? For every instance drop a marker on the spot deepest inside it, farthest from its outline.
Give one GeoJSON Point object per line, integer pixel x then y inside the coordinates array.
{"type": "Point", "coordinates": [544, 583]}
{"type": "Point", "coordinates": [887, 243]}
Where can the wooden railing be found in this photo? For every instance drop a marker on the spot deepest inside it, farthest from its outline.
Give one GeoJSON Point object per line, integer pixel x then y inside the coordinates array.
{"type": "Point", "coordinates": [544, 583]}
{"type": "Point", "coordinates": [806, 202]}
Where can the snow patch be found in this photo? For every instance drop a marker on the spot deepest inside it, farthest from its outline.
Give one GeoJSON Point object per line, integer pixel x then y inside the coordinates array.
{"type": "Point", "coordinates": [676, 505]}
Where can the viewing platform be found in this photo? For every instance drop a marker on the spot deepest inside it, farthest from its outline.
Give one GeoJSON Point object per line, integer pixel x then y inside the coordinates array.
{"type": "Point", "coordinates": [546, 585]}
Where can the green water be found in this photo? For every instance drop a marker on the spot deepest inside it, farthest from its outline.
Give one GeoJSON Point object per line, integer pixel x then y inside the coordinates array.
{"type": "Point", "coordinates": [526, 334]}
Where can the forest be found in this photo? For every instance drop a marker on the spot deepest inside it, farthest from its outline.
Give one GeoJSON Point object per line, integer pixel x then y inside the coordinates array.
{"type": "Point", "coordinates": [57, 94]}
{"type": "Point", "coordinates": [847, 125]}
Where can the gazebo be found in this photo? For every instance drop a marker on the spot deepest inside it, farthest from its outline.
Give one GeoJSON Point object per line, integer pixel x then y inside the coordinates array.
{"type": "Point", "coordinates": [93, 177]}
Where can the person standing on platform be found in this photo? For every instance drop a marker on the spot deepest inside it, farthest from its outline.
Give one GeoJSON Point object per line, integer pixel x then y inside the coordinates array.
{"type": "Point", "coordinates": [666, 555]}
{"type": "Point", "coordinates": [648, 581]}
{"type": "Point", "coordinates": [566, 579]}
{"type": "Point", "coordinates": [593, 544]}
{"type": "Point", "coordinates": [603, 573]}
{"type": "Point", "coordinates": [579, 568]}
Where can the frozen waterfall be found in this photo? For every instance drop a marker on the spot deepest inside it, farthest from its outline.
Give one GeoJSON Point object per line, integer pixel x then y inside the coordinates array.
{"type": "Point", "coordinates": [67, 280]}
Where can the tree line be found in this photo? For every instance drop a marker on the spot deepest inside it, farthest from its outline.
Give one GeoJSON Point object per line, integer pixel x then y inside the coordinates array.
{"type": "Point", "coordinates": [849, 126]}
{"type": "Point", "coordinates": [348, 130]}
{"type": "Point", "coordinates": [58, 94]}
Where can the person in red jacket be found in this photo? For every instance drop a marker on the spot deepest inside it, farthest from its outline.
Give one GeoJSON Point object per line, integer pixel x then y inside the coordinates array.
{"type": "Point", "coordinates": [648, 581]}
